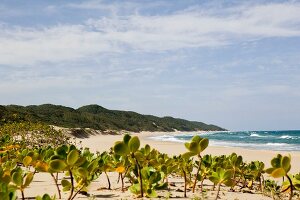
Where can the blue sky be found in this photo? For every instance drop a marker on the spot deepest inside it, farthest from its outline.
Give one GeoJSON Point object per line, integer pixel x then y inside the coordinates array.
{"type": "Point", "coordinates": [231, 63]}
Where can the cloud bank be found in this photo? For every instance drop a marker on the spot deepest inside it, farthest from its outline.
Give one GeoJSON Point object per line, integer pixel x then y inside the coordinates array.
{"type": "Point", "coordinates": [192, 28]}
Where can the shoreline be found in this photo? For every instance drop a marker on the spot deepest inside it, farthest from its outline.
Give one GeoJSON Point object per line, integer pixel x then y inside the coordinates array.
{"type": "Point", "coordinates": [105, 142]}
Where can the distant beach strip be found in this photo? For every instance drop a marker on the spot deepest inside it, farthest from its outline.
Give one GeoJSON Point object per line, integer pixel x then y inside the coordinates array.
{"type": "Point", "coordinates": [265, 140]}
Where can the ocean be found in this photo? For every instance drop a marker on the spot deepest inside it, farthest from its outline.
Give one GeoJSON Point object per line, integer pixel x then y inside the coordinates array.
{"type": "Point", "coordinates": [267, 140]}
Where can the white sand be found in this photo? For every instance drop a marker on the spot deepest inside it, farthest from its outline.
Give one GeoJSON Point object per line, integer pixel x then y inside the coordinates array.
{"type": "Point", "coordinates": [43, 182]}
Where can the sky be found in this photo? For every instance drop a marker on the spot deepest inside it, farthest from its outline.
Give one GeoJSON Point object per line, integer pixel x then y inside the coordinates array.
{"type": "Point", "coordinates": [235, 64]}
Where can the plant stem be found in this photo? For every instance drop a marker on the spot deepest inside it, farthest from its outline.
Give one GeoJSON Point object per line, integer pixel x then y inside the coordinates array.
{"type": "Point", "coordinates": [108, 180]}
{"type": "Point", "coordinates": [119, 177]}
{"type": "Point", "coordinates": [72, 185]}
{"type": "Point", "coordinates": [57, 187]}
{"type": "Point", "coordinates": [197, 173]}
{"type": "Point", "coordinates": [262, 183]}
{"type": "Point", "coordinates": [213, 187]}
{"type": "Point", "coordinates": [202, 185]}
{"type": "Point", "coordinates": [23, 196]}
{"type": "Point", "coordinates": [218, 191]}
{"type": "Point", "coordinates": [77, 192]}
{"type": "Point", "coordinates": [122, 181]}
{"type": "Point", "coordinates": [291, 185]}
{"type": "Point", "coordinates": [140, 176]}
{"type": "Point", "coordinates": [184, 175]}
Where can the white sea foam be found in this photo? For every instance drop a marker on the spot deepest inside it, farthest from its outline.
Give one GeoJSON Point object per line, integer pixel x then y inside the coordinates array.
{"type": "Point", "coordinates": [243, 143]}
{"type": "Point", "coordinates": [268, 146]}
{"type": "Point", "coordinates": [276, 144]}
{"type": "Point", "coordinates": [256, 135]}
{"type": "Point", "coordinates": [167, 138]}
{"type": "Point", "coordinates": [288, 137]}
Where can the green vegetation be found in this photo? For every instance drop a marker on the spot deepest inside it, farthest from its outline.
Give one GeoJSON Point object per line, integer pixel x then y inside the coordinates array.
{"type": "Point", "coordinates": [97, 117]}
{"type": "Point", "coordinates": [145, 169]}
{"type": "Point", "coordinates": [281, 165]}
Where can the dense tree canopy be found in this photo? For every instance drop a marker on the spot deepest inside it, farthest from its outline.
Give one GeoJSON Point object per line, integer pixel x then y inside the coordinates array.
{"type": "Point", "coordinates": [97, 117]}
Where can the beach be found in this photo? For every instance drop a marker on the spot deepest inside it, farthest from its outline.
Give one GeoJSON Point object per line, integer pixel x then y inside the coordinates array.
{"type": "Point", "coordinates": [98, 189]}
{"type": "Point", "coordinates": [104, 142]}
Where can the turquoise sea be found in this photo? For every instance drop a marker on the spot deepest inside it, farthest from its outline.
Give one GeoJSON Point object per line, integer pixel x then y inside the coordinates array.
{"type": "Point", "coordinates": [268, 140]}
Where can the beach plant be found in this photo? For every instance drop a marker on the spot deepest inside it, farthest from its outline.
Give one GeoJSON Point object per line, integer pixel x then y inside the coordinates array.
{"type": "Point", "coordinates": [166, 165]}
{"type": "Point", "coordinates": [129, 148]}
{"type": "Point", "coordinates": [281, 165]}
{"type": "Point", "coordinates": [45, 197]}
{"type": "Point", "coordinates": [195, 147]}
{"type": "Point", "coordinates": [12, 177]}
{"type": "Point", "coordinates": [8, 149]}
{"type": "Point", "coordinates": [121, 166]}
{"type": "Point", "coordinates": [296, 181]}
{"type": "Point", "coordinates": [235, 162]}
{"type": "Point", "coordinates": [152, 181]}
{"type": "Point", "coordinates": [30, 135]}
{"type": "Point", "coordinates": [221, 176]}
{"type": "Point", "coordinates": [21, 180]}
{"type": "Point", "coordinates": [185, 168]}
{"type": "Point", "coordinates": [272, 187]}
{"type": "Point", "coordinates": [206, 169]}
{"type": "Point", "coordinates": [105, 164]}
{"type": "Point", "coordinates": [147, 169]}
{"type": "Point", "coordinates": [7, 190]}
{"type": "Point", "coordinates": [254, 171]}
{"type": "Point", "coordinates": [39, 159]}
{"type": "Point", "coordinates": [80, 169]}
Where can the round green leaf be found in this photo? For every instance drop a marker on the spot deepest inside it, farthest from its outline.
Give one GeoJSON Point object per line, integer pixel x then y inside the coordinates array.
{"type": "Point", "coordinates": [82, 172]}
{"type": "Point", "coordinates": [46, 197]}
{"type": "Point", "coordinates": [204, 143]}
{"type": "Point", "coordinates": [121, 148]}
{"type": "Point", "coordinates": [71, 147]}
{"type": "Point", "coordinates": [196, 139]}
{"type": "Point", "coordinates": [147, 149]}
{"type": "Point", "coordinates": [5, 179]}
{"type": "Point", "coordinates": [134, 144]}
{"type": "Point", "coordinates": [229, 182]}
{"type": "Point", "coordinates": [80, 161]}
{"type": "Point", "coordinates": [187, 145]}
{"type": "Point", "coordinates": [92, 166]}
{"type": "Point", "coordinates": [275, 162]}
{"type": "Point", "coordinates": [65, 183]}
{"type": "Point", "coordinates": [239, 160]}
{"type": "Point", "coordinates": [286, 163]}
{"type": "Point", "coordinates": [126, 138]}
{"type": "Point", "coordinates": [28, 179]}
{"type": "Point", "coordinates": [62, 150]}
{"type": "Point", "coordinates": [215, 179]}
{"type": "Point", "coordinates": [138, 155]}
{"type": "Point", "coordinates": [17, 178]}
{"type": "Point", "coordinates": [27, 160]}
{"type": "Point", "coordinates": [270, 170]}
{"type": "Point", "coordinates": [227, 174]}
{"type": "Point", "coordinates": [72, 157]}
{"type": "Point", "coordinates": [278, 173]}
{"type": "Point", "coordinates": [195, 147]}
{"type": "Point", "coordinates": [58, 165]}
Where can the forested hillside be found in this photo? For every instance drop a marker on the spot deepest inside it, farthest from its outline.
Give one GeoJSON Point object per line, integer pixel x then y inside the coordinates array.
{"type": "Point", "coordinates": [97, 117]}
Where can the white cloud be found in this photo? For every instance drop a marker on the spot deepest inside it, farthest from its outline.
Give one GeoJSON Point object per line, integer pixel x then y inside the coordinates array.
{"type": "Point", "coordinates": [188, 29]}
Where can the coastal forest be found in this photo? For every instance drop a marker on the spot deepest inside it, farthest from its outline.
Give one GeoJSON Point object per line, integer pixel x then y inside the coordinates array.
{"type": "Point", "coordinates": [99, 118]}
